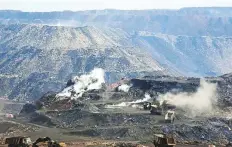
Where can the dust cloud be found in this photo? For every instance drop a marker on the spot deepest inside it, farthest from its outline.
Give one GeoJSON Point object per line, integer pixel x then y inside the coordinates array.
{"type": "Point", "coordinates": [203, 101]}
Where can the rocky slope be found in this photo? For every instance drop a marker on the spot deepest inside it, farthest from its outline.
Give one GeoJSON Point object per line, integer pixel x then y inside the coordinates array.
{"type": "Point", "coordinates": [190, 55]}
{"type": "Point", "coordinates": [36, 59]}
{"type": "Point", "coordinates": [189, 42]}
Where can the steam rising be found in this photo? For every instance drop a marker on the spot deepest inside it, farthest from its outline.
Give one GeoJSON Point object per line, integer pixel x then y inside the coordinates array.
{"type": "Point", "coordinates": [83, 83]}
{"type": "Point", "coordinates": [132, 104]}
{"type": "Point", "coordinates": [124, 88]}
{"type": "Point", "coordinates": [200, 102]}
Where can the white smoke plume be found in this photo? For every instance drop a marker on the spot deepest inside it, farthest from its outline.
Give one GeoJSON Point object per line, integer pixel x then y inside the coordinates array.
{"type": "Point", "coordinates": [131, 104]}
{"type": "Point", "coordinates": [201, 102]}
{"type": "Point", "coordinates": [146, 98]}
{"type": "Point", "coordinates": [124, 88]}
{"type": "Point", "coordinates": [83, 83]}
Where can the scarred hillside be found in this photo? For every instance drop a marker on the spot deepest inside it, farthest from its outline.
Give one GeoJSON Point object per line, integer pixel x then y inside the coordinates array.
{"type": "Point", "coordinates": [39, 58]}
{"type": "Point", "coordinates": [42, 48]}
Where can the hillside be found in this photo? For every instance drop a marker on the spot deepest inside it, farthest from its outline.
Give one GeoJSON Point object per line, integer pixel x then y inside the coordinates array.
{"type": "Point", "coordinates": [36, 59]}
{"type": "Point", "coordinates": [188, 41]}
{"type": "Point", "coordinates": [40, 51]}
{"type": "Point", "coordinates": [190, 55]}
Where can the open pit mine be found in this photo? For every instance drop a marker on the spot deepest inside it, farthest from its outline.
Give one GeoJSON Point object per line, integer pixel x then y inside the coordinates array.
{"type": "Point", "coordinates": [130, 112]}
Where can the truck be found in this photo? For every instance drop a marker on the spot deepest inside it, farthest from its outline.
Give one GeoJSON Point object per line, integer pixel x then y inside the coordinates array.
{"type": "Point", "coordinates": [147, 106]}
{"type": "Point", "coordinates": [160, 109]}
{"type": "Point", "coordinates": [156, 110]}
{"type": "Point", "coordinates": [162, 140]}
{"type": "Point", "coordinates": [19, 141]}
{"type": "Point", "coordinates": [46, 141]}
{"type": "Point", "coordinates": [26, 142]}
{"type": "Point", "coordinates": [169, 116]}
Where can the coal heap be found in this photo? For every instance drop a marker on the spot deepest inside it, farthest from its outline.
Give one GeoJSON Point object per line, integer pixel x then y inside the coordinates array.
{"type": "Point", "coordinates": [90, 116]}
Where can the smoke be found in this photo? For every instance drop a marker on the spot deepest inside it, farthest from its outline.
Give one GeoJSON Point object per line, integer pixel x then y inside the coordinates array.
{"type": "Point", "coordinates": [131, 104]}
{"type": "Point", "coordinates": [124, 88]}
{"type": "Point", "coordinates": [146, 98]}
{"type": "Point", "coordinates": [201, 102]}
{"type": "Point", "coordinates": [84, 83]}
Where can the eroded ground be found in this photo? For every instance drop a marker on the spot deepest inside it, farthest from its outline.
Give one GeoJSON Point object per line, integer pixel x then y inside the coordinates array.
{"type": "Point", "coordinates": [124, 127]}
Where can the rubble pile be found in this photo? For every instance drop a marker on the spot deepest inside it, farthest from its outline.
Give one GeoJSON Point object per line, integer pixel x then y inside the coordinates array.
{"type": "Point", "coordinates": [88, 115]}
{"type": "Point", "coordinates": [211, 130]}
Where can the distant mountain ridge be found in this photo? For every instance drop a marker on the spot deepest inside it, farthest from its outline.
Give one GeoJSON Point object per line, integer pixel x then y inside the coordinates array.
{"type": "Point", "coordinates": [190, 55]}
{"type": "Point", "coordinates": [186, 21]}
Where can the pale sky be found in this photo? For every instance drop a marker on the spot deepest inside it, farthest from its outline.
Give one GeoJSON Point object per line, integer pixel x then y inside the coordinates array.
{"type": "Point", "coordinates": [75, 5]}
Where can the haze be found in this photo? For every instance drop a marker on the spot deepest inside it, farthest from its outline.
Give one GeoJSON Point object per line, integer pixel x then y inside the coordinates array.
{"type": "Point", "coordinates": [75, 5]}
